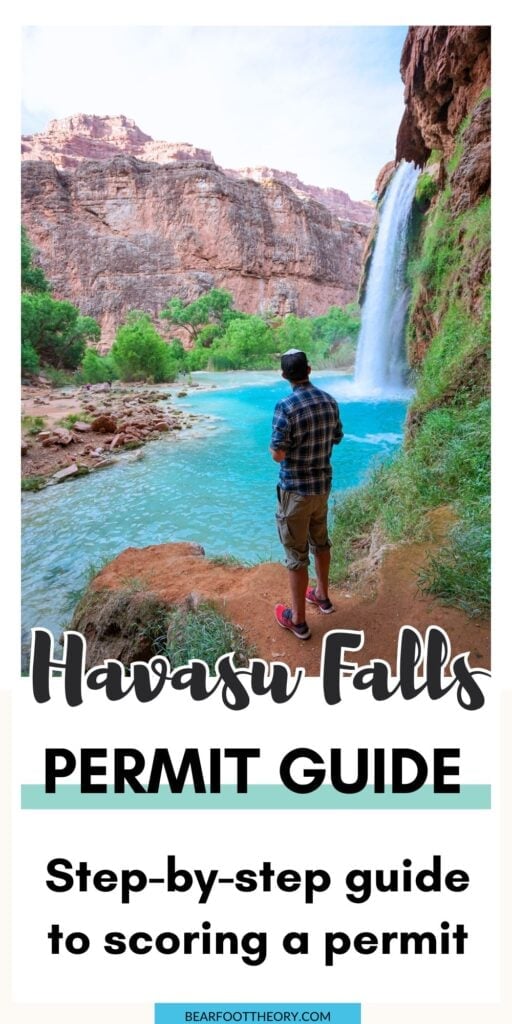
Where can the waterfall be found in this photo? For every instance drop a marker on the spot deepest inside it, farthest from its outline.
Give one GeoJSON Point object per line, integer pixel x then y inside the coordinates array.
{"type": "Point", "coordinates": [380, 359]}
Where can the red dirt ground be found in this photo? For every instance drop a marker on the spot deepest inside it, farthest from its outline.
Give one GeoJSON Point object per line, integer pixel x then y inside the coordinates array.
{"type": "Point", "coordinates": [173, 572]}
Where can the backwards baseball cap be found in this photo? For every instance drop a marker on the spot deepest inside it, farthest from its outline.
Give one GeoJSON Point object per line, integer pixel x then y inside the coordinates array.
{"type": "Point", "coordinates": [294, 364]}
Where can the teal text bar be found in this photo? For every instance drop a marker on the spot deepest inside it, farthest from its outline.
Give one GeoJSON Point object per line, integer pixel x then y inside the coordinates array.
{"type": "Point", "coordinates": [259, 798]}
{"type": "Point", "coordinates": [257, 1013]}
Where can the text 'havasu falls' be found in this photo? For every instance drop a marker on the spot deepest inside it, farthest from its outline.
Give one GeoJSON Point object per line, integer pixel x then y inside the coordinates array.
{"type": "Point", "coordinates": [420, 668]}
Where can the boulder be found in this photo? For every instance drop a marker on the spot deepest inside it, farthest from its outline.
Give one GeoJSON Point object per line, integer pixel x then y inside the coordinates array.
{"type": "Point", "coordinates": [58, 436]}
{"type": "Point", "coordinates": [66, 473]}
{"type": "Point", "coordinates": [104, 424]}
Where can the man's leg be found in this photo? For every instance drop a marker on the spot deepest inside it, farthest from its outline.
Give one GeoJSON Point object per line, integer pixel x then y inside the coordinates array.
{"type": "Point", "coordinates": [321, 547]}
{"type": "Point", "coordinates": [293, 528]}
{"type": "Point", "coordinates": [298, 579]}
{"type": "Point", "coordinates": [322, 564]}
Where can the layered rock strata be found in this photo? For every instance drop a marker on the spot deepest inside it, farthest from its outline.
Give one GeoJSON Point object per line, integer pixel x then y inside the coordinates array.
{"type": "Point", "coordinates": [121, 234]}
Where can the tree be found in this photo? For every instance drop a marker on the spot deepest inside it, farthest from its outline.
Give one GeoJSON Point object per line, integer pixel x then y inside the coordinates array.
{"type": "Point", "coordinates": [96, 369]}
{"type": "Point", "coordinates": [29, 359]}
{"type": "Point", "coordinates": [32, 277]}
{"type": "Point", "coordinates": [337, 325]}
{"type": "Point", "coordinates": [55, 330]}
{"type": "Point", "coordinates": [247, 343]}
{"type": "Point", "coordinates": [294, 332]}
{"type": "Point", "coordinates": [214, 307]}
{"type": "Point", "coordinates": [140, 353]}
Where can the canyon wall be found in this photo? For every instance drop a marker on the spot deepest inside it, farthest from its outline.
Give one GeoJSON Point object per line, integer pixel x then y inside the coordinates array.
{"type": "Point", "coordinates": [447, 129]}
{"type": "Point", "coordinates": [444, 68]}
{"type": "Point", "coordinates": [122, 222]}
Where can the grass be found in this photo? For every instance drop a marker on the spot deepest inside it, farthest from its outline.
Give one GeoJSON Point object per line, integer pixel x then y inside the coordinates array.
{"type": "Point", "coordinates": [459, 574]}
{"type": "Point", "coordinates": [434, 157]}
{"type": "Point", "coordinates": [459, 340]}
{"type": "Point", "coordinates": [355, 515]}
{"type": "Point", "coordinates": [58, 378]}
{"type": "Point", "coordinates": [229, 561]}
{"type": "Point", "coordinates": [205, 634]}
{"type": "Point", "coordinates": [33, 424]}
{"type": "Point", "coordinates": [93, 568]}
{"type": "Point", "coordinates": [456, 156]}
{"type": "Point", "coordinates": [33, 483]}
{"type": "Point", "coordinates": [74, 417]}
{"type": "Point", "coordinates": [446, 462]}
{"type": "Point", "coordinates": [426, 188]}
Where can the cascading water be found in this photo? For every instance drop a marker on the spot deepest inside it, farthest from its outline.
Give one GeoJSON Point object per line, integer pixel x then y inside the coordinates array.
{"type": "Point", "coordinates": [380, 359]}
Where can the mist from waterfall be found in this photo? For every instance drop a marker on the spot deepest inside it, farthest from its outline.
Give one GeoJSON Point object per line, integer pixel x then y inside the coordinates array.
{"type": "Point", "coordinates": [380, 360]}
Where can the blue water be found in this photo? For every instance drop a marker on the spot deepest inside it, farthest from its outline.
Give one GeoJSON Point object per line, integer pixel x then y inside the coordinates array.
{"type": "Point", "coordinates": [214, 485]}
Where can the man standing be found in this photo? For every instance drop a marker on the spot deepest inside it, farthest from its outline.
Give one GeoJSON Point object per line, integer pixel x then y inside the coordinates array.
{"type": "Point", "coordinates": [305, 426]}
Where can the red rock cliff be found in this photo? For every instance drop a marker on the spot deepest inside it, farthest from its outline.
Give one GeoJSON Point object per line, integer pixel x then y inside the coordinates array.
{"type": "Point", "coordinates": [444, 69]}
{"type": "Point", "coordinates": [117, 232]}
{"type": "Point", "coordinates": [68, 141]}
{"type": "Point", "coordinates": [121, 234]}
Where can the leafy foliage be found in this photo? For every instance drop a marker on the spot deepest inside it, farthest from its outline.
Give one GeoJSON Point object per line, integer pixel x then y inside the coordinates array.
{"type": "Point", "coordinates": [54, 330]}
{"type": "Point", "coordinates": [96, 369]}
{"type": "Point", "coordinates": [140, 353]}
{"type": "Point", "coordinates": [32, 276]}
{"type": "Point", "coordinates": [214, 307]}
{"type": "Point", "coordinates": [247, 343]}
{"type": "Point", "coordinates": [29, 359]}
{"type": "Point", "coordinates": [225, 338]}
{"type": "Point", "coordinates": [53, 333]}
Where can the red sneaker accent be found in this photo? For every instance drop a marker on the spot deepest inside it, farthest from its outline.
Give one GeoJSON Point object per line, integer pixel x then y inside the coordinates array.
{"type": "Point", "coordinates": [284, 618]}
{"type": "Point", "coordinates": [325, 606]}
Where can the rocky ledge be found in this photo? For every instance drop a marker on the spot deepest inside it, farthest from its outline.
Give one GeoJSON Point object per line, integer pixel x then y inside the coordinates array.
{"type": "Point", "coordinates": [121, 602]}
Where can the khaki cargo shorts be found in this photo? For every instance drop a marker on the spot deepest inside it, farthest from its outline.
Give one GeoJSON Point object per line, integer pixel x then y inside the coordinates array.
{"type": "Point", "coordinates": [302, 526]}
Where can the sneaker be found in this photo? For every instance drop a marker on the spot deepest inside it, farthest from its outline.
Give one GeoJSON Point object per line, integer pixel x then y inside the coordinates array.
{"type": "Point", "coordinates": [325, 606]}
{"type": "Point", "coordinates": [284, 618]}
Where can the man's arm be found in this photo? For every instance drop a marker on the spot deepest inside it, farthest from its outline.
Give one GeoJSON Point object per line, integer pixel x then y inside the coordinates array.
{"type": "Point", "coordinates": [280, 434]}
{"type": "Point", "coordinates": [338, 429]}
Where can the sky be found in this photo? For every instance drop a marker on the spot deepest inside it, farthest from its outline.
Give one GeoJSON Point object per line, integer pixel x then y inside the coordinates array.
{"type": "Point", "coordinates": [324, 102]}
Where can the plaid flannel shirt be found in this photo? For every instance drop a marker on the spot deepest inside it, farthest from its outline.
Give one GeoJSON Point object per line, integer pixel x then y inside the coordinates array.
{"type": "Point", "coordinates": [306, 425]}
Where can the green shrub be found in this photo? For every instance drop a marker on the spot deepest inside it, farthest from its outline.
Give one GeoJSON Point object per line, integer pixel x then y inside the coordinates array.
{"type": "Point", "coordinates": [55, 330]}
{"type": "Point", "coordinates": [247, 343]}
{"type": "Point", "coordinates": [29, 359]}
{"type": "Point", "coordinates": [74, 417]}
{"type": "Point", "coordinates": [59, 378]}
{"type": "Point", "coordinates": [225, 338]}
{"type": "Point", "coordinates": [32, 276]}
{"type": "Point", "coordinates": [426, 189]}
{"type": "Point", "coordinates": [140, 353]}
{"type": "Point", "coordinates": [33, 483]}
{"type": "Point", "coordinates": [96, 369]}
{"type": "Point", "coordinates": [196, 359]}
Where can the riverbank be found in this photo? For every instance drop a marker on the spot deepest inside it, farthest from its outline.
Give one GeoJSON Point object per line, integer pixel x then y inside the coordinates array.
{"type": "Point", "coordinates": [69, 432]}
